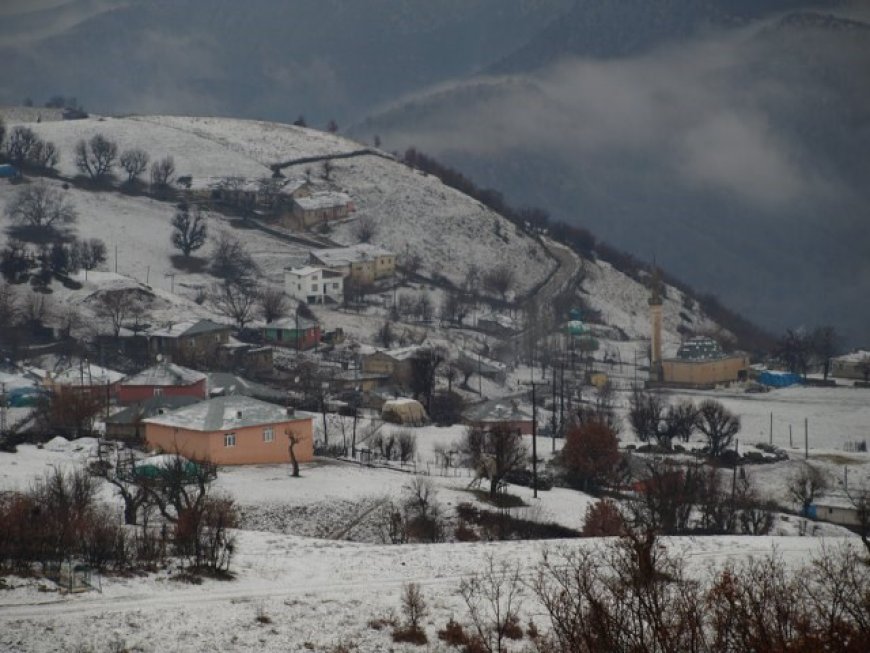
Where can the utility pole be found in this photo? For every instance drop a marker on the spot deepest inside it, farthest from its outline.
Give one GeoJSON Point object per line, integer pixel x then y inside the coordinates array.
{"type": "Point", "coordinates": [562, 397]}
{"type": "Point", "coordinates": [554, 411]}
{"type": "Point", "coordinates": [806, 438]}
{"type": "Point", "coordinates": [3, 410]}
{"type": "Point", "coordinates": [771, 428]}
{"type": "Point", "coordinates": [534, 438]}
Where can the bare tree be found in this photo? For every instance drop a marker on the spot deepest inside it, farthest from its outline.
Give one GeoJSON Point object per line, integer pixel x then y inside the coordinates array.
{"type": "Point", "coordinates": [134, 162]}
{"type": "Point", "coordinates": [96, 157]}
{"type": "Point", "coordinates": [9, 305]}
{"type": "Point", "coordinates": [365, 229]}
{"type": "Point", "coordinates": [41, 206]}
{"type": "Point", "coordinates": [413, 606]}
{"type": "Point", "coordinates": [89, 254]}
{"type": "Point", "coordinates": [718, 424]}
{"type": "Point", "coordinates": [794, 349]}
{"type": "Point", "coordinates": [19, 147]}
{"type": "Point", "coordinates": [493, 453]}
{"type": "Point", "coordinates": [500, 280]}
{"type": "Point", "coordinates": [424, 370]}
{"type": "Point", "coordinates": [680, 421]}
{"type": "Point", "coordinates": [645, 414]}
{"type": "Point", "coordinates": [44, 154]}
{"type": "Point", "coordinates": [825, 342]}
{"type": "Point", "coordinates": [232, 262]}
{"type": "Point", "coordinates": [117, 306]}
{"type": "Point", "coordinates": [326, 169]}
{"type": "Point", "coordinates": [162, 172]}
{"type": "Point", "coordinates": [189, 229]}
{"type": "Point", "coordinates": [492, 599]}
{"type": "Point", "coordinates": [385, 335]}
{"type": "Point", "coordinates": [293, 439]}
{"type": "Point", "coordinates": [805, 485]}
{"type": "Point", "coordinates": [272, 304]}
{"type": "Point", "coordinates": [234, 300]}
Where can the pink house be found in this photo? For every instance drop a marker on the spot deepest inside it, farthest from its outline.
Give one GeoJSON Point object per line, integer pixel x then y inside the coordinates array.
{"type": "Point", "coordinates": [163, 380]}
{"type": "Point", "coordinates": [233, 430]}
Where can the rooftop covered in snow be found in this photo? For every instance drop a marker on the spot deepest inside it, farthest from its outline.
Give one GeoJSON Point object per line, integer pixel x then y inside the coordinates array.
{"type": "Point", "coordinates": [226, 414]}
{"type": "Point", "coordinates": [339, 256]}
{"type": "Point", "coordinates": [165, 374]}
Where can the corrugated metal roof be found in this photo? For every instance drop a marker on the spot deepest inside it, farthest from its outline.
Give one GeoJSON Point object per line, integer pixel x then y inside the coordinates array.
{"type": "Point", "coordinates": [165, 374]}
{"type": "Point", "coordinates": [226, 414]}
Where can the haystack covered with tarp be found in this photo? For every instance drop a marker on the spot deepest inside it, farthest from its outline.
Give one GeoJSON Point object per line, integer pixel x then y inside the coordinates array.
{"type": "Point", "coordinates": [404, 411]}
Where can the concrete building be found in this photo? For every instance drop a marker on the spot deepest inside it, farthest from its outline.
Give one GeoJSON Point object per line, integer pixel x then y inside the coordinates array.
{"type": "Point", "coordinates": [854, 365]}
{"type": "Point", "coordinates": [364, 263]}
{"type": "Point", "coordinates": [317, 208]}
{"type": "Point", "coordinates": [314, 285]}
{"type": "Point", "coordinates": [163, 379]}
{"type": "Point", "coordinates": [233, 430]}
{"type": "Point", "coordinates": [393, 363]}
{"type": "Point", "coordinates": [505, 412]}
{"type": "Point", "coordinates": [292, 332]}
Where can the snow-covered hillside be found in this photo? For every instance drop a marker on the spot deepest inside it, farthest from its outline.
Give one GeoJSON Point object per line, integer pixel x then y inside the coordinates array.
{"type": "Point", "coordinates": [413, 214]}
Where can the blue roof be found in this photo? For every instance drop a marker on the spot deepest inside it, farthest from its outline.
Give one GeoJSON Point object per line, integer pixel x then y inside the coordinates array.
{"type": "Point", "coordinates": [8, 170]}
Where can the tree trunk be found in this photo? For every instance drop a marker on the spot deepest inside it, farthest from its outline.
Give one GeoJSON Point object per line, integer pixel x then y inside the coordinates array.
{"type": "Point", "coordinates": [293, 460]}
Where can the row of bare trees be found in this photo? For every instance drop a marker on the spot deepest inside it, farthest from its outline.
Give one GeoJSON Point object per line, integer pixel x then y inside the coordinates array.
{"type": "Point", "coordinates": [60, 519]}
{"type": "Point", "coordinates": [653, 418]}
{"type": "Point", "coordinates": [25, 149]}
{"type": "Point", "coordinates": [98, 156]}
{"type": "Point", "coordinates": [634, 595]}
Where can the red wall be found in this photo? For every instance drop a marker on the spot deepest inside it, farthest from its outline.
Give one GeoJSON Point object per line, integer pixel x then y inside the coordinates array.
{"type": "Point", "coordinates": [132, 393]}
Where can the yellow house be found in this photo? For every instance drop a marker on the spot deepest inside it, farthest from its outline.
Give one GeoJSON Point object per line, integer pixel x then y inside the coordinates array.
{"type": "Point", "coordinates": [364, 262]}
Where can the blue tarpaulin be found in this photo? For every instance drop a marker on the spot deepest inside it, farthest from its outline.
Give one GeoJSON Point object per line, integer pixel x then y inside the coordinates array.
{"type": "Point", "coordinates": [778, 379]}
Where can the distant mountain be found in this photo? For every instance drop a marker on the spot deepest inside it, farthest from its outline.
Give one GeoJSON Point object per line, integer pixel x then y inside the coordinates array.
{"type": "Point", "coordinates": [739, 158]}
{"type": "Point", "coordinates": [258, 58]}
{"type": "Point", "coordinates": [602, 29]}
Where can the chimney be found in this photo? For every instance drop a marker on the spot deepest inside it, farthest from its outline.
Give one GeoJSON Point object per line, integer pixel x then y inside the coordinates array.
{"type": "Point", "coordinates": [291, 411]}
{"type": "Point", "coordinates": [238, 414]}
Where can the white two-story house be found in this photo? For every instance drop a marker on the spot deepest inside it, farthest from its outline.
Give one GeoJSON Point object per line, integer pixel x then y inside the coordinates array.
{"type": "Point", "coordinates": [314, 285]}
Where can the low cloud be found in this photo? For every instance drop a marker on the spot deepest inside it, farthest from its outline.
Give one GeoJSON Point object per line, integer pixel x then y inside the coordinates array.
{"type": "Point", "coordinates": [23, 23]}
{"type": "Point", "coordinates": [696, 113]}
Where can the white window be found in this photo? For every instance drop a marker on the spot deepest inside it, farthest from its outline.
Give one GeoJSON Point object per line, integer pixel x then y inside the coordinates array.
{"type": "Point", "coordinates": [313, 286]}
{"type": "Point", "coordinates": [158, 392]}
{"type": "Point", "coordinates": [229, 439]}
{"type": "Point", "coordinates": [268, 434]}
{"type": "Point", "coordinates": [335, 286]}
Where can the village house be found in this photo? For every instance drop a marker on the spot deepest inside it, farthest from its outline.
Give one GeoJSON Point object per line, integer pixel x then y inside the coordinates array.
{"type": "Point", "coordinates": [163, 379]}
{"type": "Point", "coordinates": [188, 340]}
{"type": "Point", "coordinates": [126, 424]}
{"type": "Point", "coordinates": [316, 208]}
{"type": "Point", "coordinates": [506, 412]}
{"type": "Point", "coordinates": [363, 263]}
{"type": "Point", "coordinates": [86, 378]}
{"type": "Point", "coordinates": [244, 357]}
{"type": "Point", "coordinates": [314, 285]}
{"type": "Point", "coordinates": [294, 332]}
{"type": "Point", "coordinates": [224, 384]}
{"type": "Point", "coordinates": [232, 430]}
{"type": "Point", "coordinates": [263, 193]}
{"type": "Point", "coordinates": [854, 365]}
{"type": "Point", "coordinates": [393, 363]}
